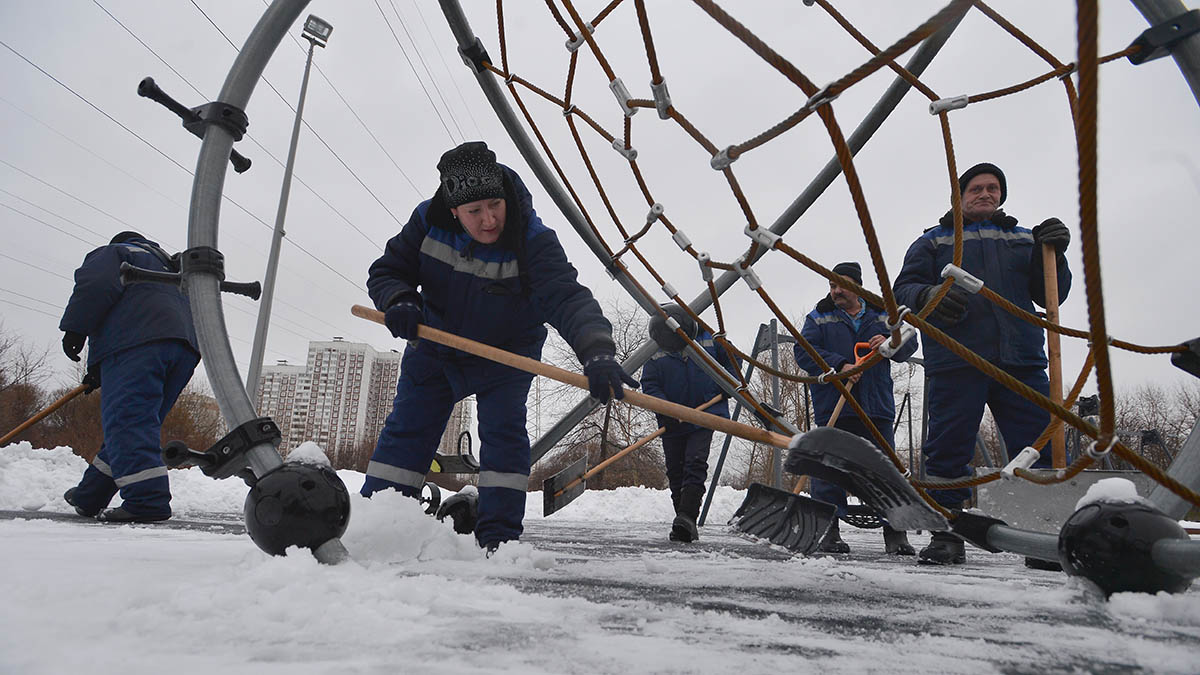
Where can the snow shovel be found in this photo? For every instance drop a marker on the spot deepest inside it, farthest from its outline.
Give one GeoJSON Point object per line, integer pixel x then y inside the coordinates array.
{"type": "Point", "coordinates": [81, 389]}
{"type": "Point", "coordinates": [563, 487]}
{"type": "Point", "coordinates": [789, 519]}
{"type": "Point", "coordinates": [902, 506]}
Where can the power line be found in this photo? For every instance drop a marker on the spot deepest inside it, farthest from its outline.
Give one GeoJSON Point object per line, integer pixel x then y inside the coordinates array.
{"type": "Point", "coordinates": [201, 95]}
{"type": "Point", "coordinates": [56, 229]}
{"type": "Point", "coordinates": [30, 297]}
{"type": "Point", "coordinates": [449, 110]}
{"type": "Point", "coordinates": [414, 70]}
{"type": "Point", "coordinates": [32, 309]}
{"type": "Point", "coordinates": [417, 4]}
{"type": "Point", "coordinates": [61, 217]}
{"type": "Point", "coordinates": [81, 98]}
{"type": "Point", "coordinates": [18, 260]}
{"type": "Point", "coordinates": [68, 194]}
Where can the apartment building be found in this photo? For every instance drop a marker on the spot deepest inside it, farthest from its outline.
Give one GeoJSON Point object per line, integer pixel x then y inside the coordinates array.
{"type": "Point", "coordinates": [340, 399]}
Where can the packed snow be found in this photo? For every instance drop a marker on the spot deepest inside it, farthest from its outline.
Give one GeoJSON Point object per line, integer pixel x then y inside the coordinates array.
{"type": "Point", "coordinates": [595, 588]}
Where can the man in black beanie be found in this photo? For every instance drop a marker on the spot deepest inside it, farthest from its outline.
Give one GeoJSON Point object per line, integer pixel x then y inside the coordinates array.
{"type": "Point", "coordinates": [477, 261]}
{"type": "Point", "coordinates": [839, 322]}
{"type": "Point", "coordinates": [142, 350]}
{"type": "Point", "coordinates": [1008, 259]}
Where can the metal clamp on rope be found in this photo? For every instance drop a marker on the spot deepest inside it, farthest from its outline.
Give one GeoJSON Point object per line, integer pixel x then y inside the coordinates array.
{"type": "Point", "coordinates": [628, 153]}
{"type": "Point", "coordinates": [722, 160]}
{"type": "Point", "coordinates": [623, 97]}
{"type": "Point", "coordinates": [820, 98]}
{"type": "Point", "coordinates": [1024, 459]}
{"type": "Point", "coordinates": [748, 275]}
{"type": "Point", "coordinates": [475, 56]}
{"type": "Point", "coordinates": [669, 290]}
{"type": "Point", "coordinates": [568, 110]}
{"type": "Point", "coordinates": [579, 39]}
{"type": "Point", "coordinates": [1097, 455]}
{"type": "Point", "coordinates": [672, 323]}
{"type": "Point", "coordinates": [681, 240]}
{"type": "Point", "coordinates": [655, 211]}
{"type": "Point", "coordinates": [1158, 41]}
{"type": "Point", "coordinates": [706, 272]}
{"type": "Point", "coordinates": [762, 236]}
{"type": "Point", "coordinates": [885, 348]}
{"type": "Point", "coordinates": [962, 278]}
{"type": "Point", "coordinates": [510, 78]}
{"type": "Point", "coordinates": [901, 312]}
{"type": "Point", "coordinates": [823, 378]}
{"type": "Point", "coordinates": [944, 104]}
{"type": "Point", "coordinates": [1070, 71]}
{"type": "Point", "coordinates": [662, 99]}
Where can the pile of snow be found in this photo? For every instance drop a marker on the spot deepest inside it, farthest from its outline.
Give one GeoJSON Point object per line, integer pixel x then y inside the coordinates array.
{"type": "Point", "coordinates": [35, 479]}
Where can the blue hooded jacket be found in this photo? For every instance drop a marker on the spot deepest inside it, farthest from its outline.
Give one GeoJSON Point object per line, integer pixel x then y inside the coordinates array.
{"type": "Point", "coordinates": [1001, 254]}
{"type": "Point", "coordinates": [831, 332]}
{"type": "Point", "coordinates": [675, 377]}
{"type": "Point", "coordinates": [116, 317]}
{"type": "Point", "coordinates": [499, 294]}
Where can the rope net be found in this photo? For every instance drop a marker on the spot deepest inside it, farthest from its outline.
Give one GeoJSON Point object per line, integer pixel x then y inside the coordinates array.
{"type": "Point", "coordinates": [627, 239]}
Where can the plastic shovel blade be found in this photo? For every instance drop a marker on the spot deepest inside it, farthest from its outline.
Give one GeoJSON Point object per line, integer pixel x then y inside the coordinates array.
{"type": "Point", "coordinates": [856, 465]}
{"type": "Point", "coordinates": [556, 483]}
{"type": "Point", "coordinates": [795, 522]}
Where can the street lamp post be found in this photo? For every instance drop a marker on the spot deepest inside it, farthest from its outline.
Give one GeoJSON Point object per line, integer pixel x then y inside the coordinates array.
{"type": "Point", "coordinates": [316, 31]}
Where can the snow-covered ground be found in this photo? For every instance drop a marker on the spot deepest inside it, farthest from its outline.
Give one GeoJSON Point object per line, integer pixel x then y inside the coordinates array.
{"type": "Point", "coordinates": [596, 588]}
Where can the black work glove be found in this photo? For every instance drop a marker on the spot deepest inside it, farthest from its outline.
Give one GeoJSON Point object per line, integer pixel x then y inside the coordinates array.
{"type": "Point", "coordinates": [403, 318]}
{"type": "Point", "coordinates": [1052, 232]}
{"type": "Point", "coordinates": [605, 376]}
{"type": "Point", "coordinates": [92, 379]}
{"type": "Point", "coordinates": [951, 309]}
{"type": "Point", "coordinates": [73, 344]}
{"type": "Point", "coordinates": [763, 420]}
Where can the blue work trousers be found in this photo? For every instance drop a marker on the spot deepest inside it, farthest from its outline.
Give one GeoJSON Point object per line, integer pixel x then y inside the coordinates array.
{"type": "Point", "coordinates": [831, 493]}
{"type": "Point", "coordinates": [956, 400]}
{"type": "Point", "coordinates": [139, 387]}
{"type": "Point", "coordinates": [429, 387]}
{"type": "Point", "coordinates": [687, 459]}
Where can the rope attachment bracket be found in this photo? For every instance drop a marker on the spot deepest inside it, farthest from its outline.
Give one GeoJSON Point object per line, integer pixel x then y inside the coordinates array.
{"type": "Point", "coordinates": [1158, 41]}
{"type": "Point", "coordinates": [962, 278]}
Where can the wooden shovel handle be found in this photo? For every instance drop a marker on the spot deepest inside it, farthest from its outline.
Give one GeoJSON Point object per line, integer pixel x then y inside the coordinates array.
{"type": "Point", "coordinates": [636, 398]}
{"type": "Point", "coordinates": [39, 416]}
{"type": "Point", "coordinates": [634, 446]}
{"type": "Point", "coordinates": [1058, 443]}
{"type": "Point", "coordinates": [802, 481]}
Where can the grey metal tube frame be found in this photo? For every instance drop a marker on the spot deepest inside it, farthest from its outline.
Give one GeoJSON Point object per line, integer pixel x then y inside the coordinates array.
{"type": "Point", "coordinates": [204, 288]}
{"type": "Point", "coordinates": [491, 89]}
{"type": "Point", "coordinates": [1033, 544]}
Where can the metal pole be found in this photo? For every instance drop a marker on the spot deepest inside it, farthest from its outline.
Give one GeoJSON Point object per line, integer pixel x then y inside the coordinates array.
{"type": "Point", "coordinates": [268, 293]}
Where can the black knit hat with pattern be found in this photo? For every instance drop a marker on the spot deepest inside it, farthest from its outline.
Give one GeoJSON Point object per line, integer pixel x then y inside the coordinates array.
{"type": "Point", "coordinates": [469, 173]}
{"type": "Point", "coordinates": [122, 237]}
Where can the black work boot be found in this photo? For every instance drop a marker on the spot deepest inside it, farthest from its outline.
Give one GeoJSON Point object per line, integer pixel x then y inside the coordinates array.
{"type": "Point", "coordinates": [123, 515]}
{"type": "Point", "coordinates": [69, 497]}
{"type": "Point", "coordinates": [683, 528]}
{"type": "Point", "coordinates": [895, 542]}
{"type": "Point", "coordinates": [943, 549]}
{"type": "Point", "coordinates": [832, 541]}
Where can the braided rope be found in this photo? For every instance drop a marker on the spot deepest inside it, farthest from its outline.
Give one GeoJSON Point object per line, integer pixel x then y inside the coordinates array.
{"type": "Point", "coordinates": [1083, 110]}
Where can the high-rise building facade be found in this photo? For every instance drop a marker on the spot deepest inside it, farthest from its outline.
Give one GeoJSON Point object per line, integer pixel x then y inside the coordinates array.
{"type": "Point", "coordinates": [339, 399]}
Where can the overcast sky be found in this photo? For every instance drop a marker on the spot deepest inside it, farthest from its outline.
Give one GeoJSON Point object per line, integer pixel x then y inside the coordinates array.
{"type": "Point", "coordinates": [391, 95]}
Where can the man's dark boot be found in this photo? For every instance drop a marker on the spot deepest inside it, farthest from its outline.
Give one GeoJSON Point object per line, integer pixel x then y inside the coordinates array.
{"type": "Point", "coordinates": [832, 541]}
{"type": "Point", "coordinates": [122, 515]}
{"type": "Point", "coordinates": [684, 526]}
{"type": "Point", "coordinates": [69, 497]}
{"type": "Point", "coordinates": [943, 549]}
{"type": "Point", "coordinates": [895, 542]}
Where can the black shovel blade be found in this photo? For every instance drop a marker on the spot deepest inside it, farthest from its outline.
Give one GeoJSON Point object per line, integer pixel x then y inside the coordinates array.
{"type": "Point", "coordinates": [792, 521]}
{"type": "Point", "coordinates": [856, 465]}
{"type": "Point", "coordinates": [455, 463]}
{"type": "Point", "coordinates": [558, 481]}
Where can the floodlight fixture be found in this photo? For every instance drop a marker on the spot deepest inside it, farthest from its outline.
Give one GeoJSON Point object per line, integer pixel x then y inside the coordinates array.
{"type": "Point", "coordinates": [317, 30]}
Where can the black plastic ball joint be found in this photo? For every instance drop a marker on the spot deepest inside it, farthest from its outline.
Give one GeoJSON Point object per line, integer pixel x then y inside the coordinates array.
{"type": "Point", "coordinates": [1111, 544]}
{"type": "Point", "coordinates": [297, 504]}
